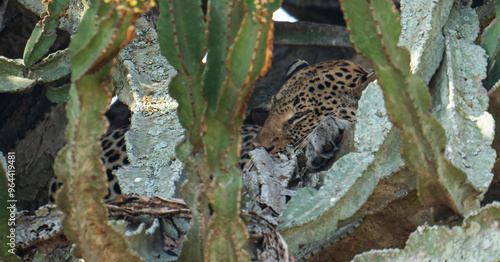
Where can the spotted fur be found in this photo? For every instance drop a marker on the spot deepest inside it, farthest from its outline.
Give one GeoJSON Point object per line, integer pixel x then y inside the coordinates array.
{"type": "Point", "coordinates": [113, 155]}
{"type": "Point", "coordinates": [310, 94]}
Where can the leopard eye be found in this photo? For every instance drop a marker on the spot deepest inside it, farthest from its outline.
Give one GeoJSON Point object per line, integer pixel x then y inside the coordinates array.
{"type": "Point", "coordinates": [298, 116]}
{"type": "Point", "coordinates": [291, 120]}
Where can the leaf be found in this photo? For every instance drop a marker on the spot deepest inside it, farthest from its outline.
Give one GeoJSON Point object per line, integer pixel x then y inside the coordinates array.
{"type": "Point", "coordinates": [54, 67]}
{"type": "Point", "coordinates": [42, 38]}
{"type": "Point", "coordinates": [44, 34]}
{"type": "Point", "coordinates": [56, 7]}
{"type": "Point", "coordinates": [12, 76]}
{"type": "Point", "coordinates": [95, 46]}
{"type": "Point", "coordinates": [58, 94]}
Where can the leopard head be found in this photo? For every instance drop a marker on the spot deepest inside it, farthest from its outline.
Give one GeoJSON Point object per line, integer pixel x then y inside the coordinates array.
{"type": "Point", "coordinates": [309, 94]}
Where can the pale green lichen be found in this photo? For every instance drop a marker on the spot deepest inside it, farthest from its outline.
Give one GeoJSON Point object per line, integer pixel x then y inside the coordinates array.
{"type": "Point", "coordinates": [68, 23]}
{"type": "Point", "coordinates": [142, 79]}
{"type": "Point", "coordinates": [373, 124]}
{"type": "Point", "coordinates": [461, 101]}
{"type": "Point", "coordinates": [142, 239]}
{"type": "Point", "coordinates": [421, 34]}
{"type": "Point", "coordinates": [476, 240]}
{"type": "Point", "coordinates": [75, 12]}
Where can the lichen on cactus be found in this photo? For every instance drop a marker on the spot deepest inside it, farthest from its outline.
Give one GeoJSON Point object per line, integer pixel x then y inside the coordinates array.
{"type": "Point", "coordinates": [440, 183]}
{"type": "Point", "coordinates": [422, 34]}
{"type": "Point", "coordinates": [491, 45]}
{"type": "Point", "coordinates": [461, 102]}
{"type": "Point", "coordinates": [429, 144]}
{"type": "Point", "coordinates": [475, 240]}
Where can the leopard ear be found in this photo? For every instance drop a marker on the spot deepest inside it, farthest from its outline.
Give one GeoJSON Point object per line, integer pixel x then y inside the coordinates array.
{"type": "Point", "coordinates": [367, 78]}
{"type": "Point", "coordinates": [295, 67]}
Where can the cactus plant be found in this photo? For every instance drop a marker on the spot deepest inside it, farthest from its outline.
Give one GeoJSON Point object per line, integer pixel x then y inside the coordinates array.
{"type": "Point", "coordinates": [422, 34]}
{"type": "Point", "coordinates": [446, 153]}
{"type": "Point", "coordinates": [212, 99]}
{"type": "Point", "coordinates": [408, 102]}
{"type": "Point", "coordinates": [491, 46]}
{"type": "Point", "coordinates": [33, 69]}
{"type": "Point", "coordinates": [374, 30]}
{"type": "Point", "coordinates": [105, 29]}
{"type": "Point", "coordinates": [474, 240]}
{"type": "Point", "coordinates": [44, 34]}
{"type": "Point", "coordinates": [12, 77]}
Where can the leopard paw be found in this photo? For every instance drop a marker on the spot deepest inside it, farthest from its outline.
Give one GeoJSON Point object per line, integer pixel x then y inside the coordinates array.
{"type": "Point", "coordinates": [324, 141]}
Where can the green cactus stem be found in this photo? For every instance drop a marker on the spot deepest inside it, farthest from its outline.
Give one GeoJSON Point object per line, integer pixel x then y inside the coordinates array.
{"type": "Point", "coordinates": [374, 29]}
{"type": "Point", "coordinates": [105, 29]}
{"type": "Point", "coordinates": [212, 100]}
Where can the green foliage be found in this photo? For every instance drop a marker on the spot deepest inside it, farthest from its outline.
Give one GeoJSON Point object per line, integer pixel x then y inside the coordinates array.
{"type": "Point", "coordinates": [443, 140]}
{"type": "Point", "coordinates": [33, 69]}
{"type": "Point", "coordinates": [44, 34]}
{"type": "Point", "coordinates": [42, 38]}
{"type": "Point", "coordinates": [212, 100]}
{"type": "Point", "coordinates": [54, 67]}
{"type": "Point", "coordinates": [79, 168]}
{"type": "Point", "coordinates": [15, 77]}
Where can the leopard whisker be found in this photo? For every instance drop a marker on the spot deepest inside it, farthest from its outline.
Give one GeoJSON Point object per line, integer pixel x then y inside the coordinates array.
{"type": "Point", "coordinates": [301, 143]}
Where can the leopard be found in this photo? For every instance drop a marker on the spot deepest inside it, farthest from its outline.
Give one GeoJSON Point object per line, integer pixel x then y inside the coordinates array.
{"type": "Point", "coordinates": [113, 156]}
{"type": "Point", "coordinates": [314, 100]}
